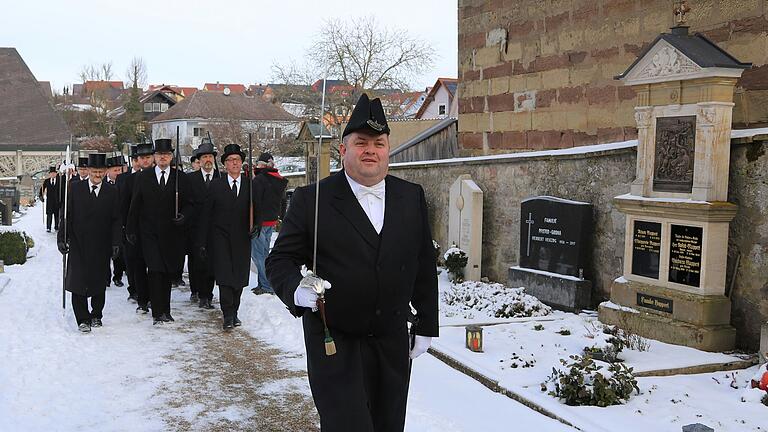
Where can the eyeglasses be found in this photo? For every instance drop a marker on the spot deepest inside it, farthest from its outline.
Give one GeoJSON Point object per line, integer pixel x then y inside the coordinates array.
{"type": "Point", "coordinates": [232, 159]}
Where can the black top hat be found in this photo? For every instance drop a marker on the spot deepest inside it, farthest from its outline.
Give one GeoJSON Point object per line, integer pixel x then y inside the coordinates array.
{"type": "Point", "coordinates": [144, 149]}
{"type": "Point", "coordinates": [132, 151]}
{"type": "Point", "coordinates": [82, 161]}
{"type": "Point", "coordinates": [205, 147]}
{"type": "Point", "coordinates": [111, 162]}
{"type": "Point", "coordinates": [97, 160]}
{"type": "Point", "coordinates": [163, 145]}
{"type": "Point", "coordinates": [51, 169]}
{"type": "Point", "coordinates": [368, 115]}
{"type": "Point", "coordinates": [231, 149]}
{"type": "Point", "coordinates": [193, 158]}
{"type": "Point", "coordinates": [265, 157]}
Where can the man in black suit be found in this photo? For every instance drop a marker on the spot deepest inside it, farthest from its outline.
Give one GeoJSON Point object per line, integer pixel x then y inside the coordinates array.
{"type": "Point", "coordinates": [153, 221]}
{"type": "Point", "coordinates": [201, 279]}
{"type": "Point", "coordinates": [136, 268]}
{"type": "Point", "coordinates": [51, 190]}
{"type": "Point", "coordinates": [93, 235]}
{"type": "Point", "coordinates": [224, 233]}
{"type": "Point", "coordinates": [374, 246]}
{"type": "Point", "coordinates": [82, 169]}
{"type": "Point", "coordinates": [114, 169]}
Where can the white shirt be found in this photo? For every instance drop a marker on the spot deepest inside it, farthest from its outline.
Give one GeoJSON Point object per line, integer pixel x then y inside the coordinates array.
{"type": "Point", "coordinates": [372, 205]}
{"type": "Point", "coordinates": [208, 173]}
{"type": "Point", "coordinates": [134, 170]}
{"type": "Point", "coordinates": [98, 187]}
{"type": "Point", "coordinates": [232, 180]}
{"type": "Point", "coordinates": [158, 174]}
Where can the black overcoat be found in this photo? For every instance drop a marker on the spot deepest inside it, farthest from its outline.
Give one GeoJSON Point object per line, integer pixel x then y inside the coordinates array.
{"type": "Point", "coordinates": [374, 276]}
{"type": "Point", "coordinates": [52, 195]}
{"type": "Point", "coordinates": [227, 238]}
{"type": "Point", "coordinates": [92, 228]}
{"type": "Point", "coordinates": [150, 219]}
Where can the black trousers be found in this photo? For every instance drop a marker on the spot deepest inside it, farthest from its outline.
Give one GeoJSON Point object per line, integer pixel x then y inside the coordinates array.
{"type": "Point", "coordinates": [137, 274]}
{"type": "Point", "coordinates": [118, 265]}
{"type": "Point", "coordinates": [160, 292]}
{"type": "Point", "coordinates": [364, 387]}
{"type": "Point", "coordinates": [52, 217]}
{"type": "Point", "coordinates": [80, 307]}
{"type": "Point", "coordinates": [229, 297]}
{"type": "Point", "coordinates": [201, 281]}
{"type": "Point", "coordinates": [190, 269]}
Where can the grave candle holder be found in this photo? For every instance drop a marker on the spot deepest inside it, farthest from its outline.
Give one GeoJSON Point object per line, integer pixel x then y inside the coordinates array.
{"type": "Point", "coordinates": [474, 338]}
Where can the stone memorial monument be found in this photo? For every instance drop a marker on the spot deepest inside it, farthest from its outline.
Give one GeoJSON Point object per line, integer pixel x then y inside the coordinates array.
{"type": "Point", "coordinates": [677, 214]}
{"type": "Point", "coordinates": [465, 223]}
{"type": "Point", "coordinates": [555, 252]}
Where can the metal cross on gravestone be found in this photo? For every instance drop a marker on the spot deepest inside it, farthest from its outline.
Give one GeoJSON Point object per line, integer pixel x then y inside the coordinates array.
{"type": "Point", "coordinates": [530, 222]}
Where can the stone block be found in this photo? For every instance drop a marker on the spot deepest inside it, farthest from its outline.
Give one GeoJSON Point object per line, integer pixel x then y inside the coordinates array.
{"type": "Point", "coordinates": [480, 88]}
{"type": "Point", "coordinates": [499, 85]}
{"type": "Point", "coordinates": [556, 78]}
{"type": "Point", "coordinates": [468, 123]}
{"type": "Point", "coordinates": [521, 121]}
{"type": "Point", "coordinates": [697, 427]}
{"type": "Point", "coordinates": [516, 83]}
{"type": "Point", "coordinates": [487, 56]}
{"type": "Point", "coordinates": [533, 81]}
{"type": "Point", "coordinates": [571, 40]}
{"type": "Point", "coordinates": [484, 122]}
{"type": "Point", "coordinates": [502, 121]}
{"type": "Point", "coordinates": [584, 75]}
{"type": "Point", "coordinates": [576, 120]}
{"type": "Point", "coordinates": [514, 51]}
{"type": "Point", "coordinates": [560, 292]}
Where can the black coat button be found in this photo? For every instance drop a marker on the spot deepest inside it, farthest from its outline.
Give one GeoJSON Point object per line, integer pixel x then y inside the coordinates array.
{"type": "Point", "coordinates": [378, 312]}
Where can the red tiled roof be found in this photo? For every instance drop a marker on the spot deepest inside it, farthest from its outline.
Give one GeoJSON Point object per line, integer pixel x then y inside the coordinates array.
{"type": "Point", "coordinates": [218, 106]}
{"type": "Point", "coordinates": [449, 83]}
{"type": "Point", "coordinates": [216, 87]}
{"type": "Point", "coordinates": [90, 86]}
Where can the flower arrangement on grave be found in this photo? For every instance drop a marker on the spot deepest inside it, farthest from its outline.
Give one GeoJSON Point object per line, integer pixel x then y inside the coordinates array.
{"type": "Point", "coordinates": [583, 382]}
{"type": "Point", "coordinates": [455, 261]}
{"type": "Point", "coordinates": [476, 299]}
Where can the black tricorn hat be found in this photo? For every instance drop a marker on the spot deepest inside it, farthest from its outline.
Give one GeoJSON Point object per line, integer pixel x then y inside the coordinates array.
{"type": "Point", "coordinates": [51, 169]}
{"type": "Point", "coordinates": [368, 116]}
{"type": "Point", "coordinates": [144, 149]}
{"type": "Point", "coordinates": [97, 160]}
{"type": "Point", "coordinates": [82, 161]}
{"type": "Point", "coordinates": [163, 145]}
{"type": "Point", "coordinates": [231, 149]}
{"type": "Point", "coordinates": [205, 147]}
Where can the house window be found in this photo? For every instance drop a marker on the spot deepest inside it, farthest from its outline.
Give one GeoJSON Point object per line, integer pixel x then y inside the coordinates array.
{"type": "Point", "coordinates": [198, 131]}
{"type": "Point", "coordinates": [147, 107]}
{"type": "Point", "coordinates": [163, 107]}
{"type": "Point", "coordinates": [441, 110]}
{"type": "Point", "coordinates": [156, 106]}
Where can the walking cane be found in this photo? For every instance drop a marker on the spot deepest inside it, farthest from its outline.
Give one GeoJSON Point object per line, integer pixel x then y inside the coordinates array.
{"type": "Point", "coordinates": [178, 161]}
{"type": "Point", "coordinates": [249, 176]}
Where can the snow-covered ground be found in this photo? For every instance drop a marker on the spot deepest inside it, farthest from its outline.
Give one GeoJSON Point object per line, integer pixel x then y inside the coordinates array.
{"type": "Point", "coordinates": [120, 376]}
{"type": "Point", "coordinates": [521, 354]}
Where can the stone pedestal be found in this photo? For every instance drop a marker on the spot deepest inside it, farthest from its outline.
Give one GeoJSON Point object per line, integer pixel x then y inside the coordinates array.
{"type": "Point", "coordinates": [559, 291]}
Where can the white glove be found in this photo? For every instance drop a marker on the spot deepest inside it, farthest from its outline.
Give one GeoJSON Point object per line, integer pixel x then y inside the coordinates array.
{"type": "Point", "coordinates": [420, 346]}
{"type": "Point", "coordinates": [306, 293]}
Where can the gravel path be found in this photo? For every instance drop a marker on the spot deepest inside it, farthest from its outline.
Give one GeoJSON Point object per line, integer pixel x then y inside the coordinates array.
{"type": "Point", "coordinates": [232, 381]}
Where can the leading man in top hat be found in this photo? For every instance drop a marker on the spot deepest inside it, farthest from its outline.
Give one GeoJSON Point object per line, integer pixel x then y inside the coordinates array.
{"type": "Point", "coordinates": [51, 190]}
{"type": "Point", "coordinates": [374, 247]}
{"type": "Point", "coordinates": [154, 222]}
{"type": "Point", "coordinates": [93, 235]}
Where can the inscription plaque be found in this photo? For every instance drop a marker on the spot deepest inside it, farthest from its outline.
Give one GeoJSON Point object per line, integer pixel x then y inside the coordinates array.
{"type": "Point", "coordinates": [646, 249]}
{"type": "Point", "coordinates": [685, 255]}
{"type": "Point", "coordinates": [675, 145]}
{"type": "Point", "coordinates": [655, 303]}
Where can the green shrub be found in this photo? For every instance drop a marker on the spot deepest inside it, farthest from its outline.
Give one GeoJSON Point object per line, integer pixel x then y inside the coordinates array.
{"type": "Point", "coordinates": [455, 261]}
{"type": "Point", "coordinates": [13, 247]}
{"type": "Point", "coordinates": [583, 383]}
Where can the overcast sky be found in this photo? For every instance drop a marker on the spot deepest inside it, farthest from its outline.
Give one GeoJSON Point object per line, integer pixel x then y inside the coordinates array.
{"type": "Point", "coordinates": [190, 42]}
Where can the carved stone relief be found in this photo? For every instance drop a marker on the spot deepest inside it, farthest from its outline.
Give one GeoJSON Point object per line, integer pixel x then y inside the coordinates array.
{"type": "Point", "coordinates": [674, 156]}
{"type": "Point", "coordinates": [668, 61]}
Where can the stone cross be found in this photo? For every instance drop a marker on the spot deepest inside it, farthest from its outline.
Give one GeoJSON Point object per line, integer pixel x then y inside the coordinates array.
{"type": "Point", "coordinates": [530, 222]}
{"type": "Point", "coordinates": [681, 9]}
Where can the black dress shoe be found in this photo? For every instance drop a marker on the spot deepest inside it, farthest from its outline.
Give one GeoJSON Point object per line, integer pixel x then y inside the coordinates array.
{"type": "Point", "coordinates": [208, 304]}
{"type": "Point", "coordinates": [194, 298]}
{"type": "Point", "coordinates": [118, 283]}
{"type": "Point", "coordinates": [167, 317]}
{"type": "Point", "coordinates": [49, 230]}
{"type": "Point", "coordinates": [201, 303]}
{"type": "Point", "coordinates": [228, 324]}
{"type": "Point", "coordinates": [236, 322]}
{"type": "Point", "coordinates": [96, 322]}
{"type": "Point", "coordinates": [85, 328]}
{"type": "Point", "coordinates": [143, 309]}
{"type": "Point", "coordinates": [157, 320]}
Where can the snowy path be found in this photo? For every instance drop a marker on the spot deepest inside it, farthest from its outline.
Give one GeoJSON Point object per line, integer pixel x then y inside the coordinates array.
{"type": "Point", "coordinates": [184, 376]}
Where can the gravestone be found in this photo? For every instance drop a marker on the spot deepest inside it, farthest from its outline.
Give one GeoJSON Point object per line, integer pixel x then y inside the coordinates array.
{"type": "Point", "coordinates": [555, 252]}
{"type": "Point", "coordinates": [672, 287]}
{"type": "Point", "coordinates": [764, 343]}
{"type": "Point", "coordinates": [27, 191]}
{"type": "Point", "coordinates": [465, 223]}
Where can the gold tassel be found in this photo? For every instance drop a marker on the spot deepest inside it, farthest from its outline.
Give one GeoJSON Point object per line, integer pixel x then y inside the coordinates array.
{"type": "Point", "coordinates": [330, 347]}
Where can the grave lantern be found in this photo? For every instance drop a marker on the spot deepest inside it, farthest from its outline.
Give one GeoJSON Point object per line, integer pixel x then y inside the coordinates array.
{"type": "Point", "coordinates": [474, 338]}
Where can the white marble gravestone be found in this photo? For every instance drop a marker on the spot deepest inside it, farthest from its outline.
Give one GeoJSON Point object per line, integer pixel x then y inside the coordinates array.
{"type": "Point", "coordinates": [465, 223]}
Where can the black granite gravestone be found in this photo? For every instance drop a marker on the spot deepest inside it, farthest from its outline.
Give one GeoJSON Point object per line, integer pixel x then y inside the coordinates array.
{"type": "Point", "coordinates": [555, 234]}
{"type": "Point", "coordinates": [685, 255]}
{"type": "Point", "coordinates": [555, 252]}
{"type": "Point", "coordinates": [646, 248]}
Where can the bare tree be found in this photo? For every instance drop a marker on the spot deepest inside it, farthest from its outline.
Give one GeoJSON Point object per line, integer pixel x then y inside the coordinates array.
{"type": "Point", "coordinates": [92, 72]}
{"type": "Point", "coordinates": [136, 73]}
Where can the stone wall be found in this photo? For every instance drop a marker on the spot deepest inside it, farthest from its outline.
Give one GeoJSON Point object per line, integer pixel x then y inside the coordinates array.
{"type": "Point", "coordinates": [539, 75]}
{"type": "Point", "coordinates": [597, 177]}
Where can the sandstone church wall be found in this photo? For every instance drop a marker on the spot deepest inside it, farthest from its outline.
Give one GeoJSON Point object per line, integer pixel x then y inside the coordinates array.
{"type": "Point", "coordinates": [538, 75]}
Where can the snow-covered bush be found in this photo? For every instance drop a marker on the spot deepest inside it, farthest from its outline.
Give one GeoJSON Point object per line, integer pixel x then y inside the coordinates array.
{"type": "Point", "coordinates": [455, 261]}
{"type": "Point", "coordinates": [473, 299]}
{"type": "Point", "coordinates": [13, 247]}
{"type": "Point", "coordinates": [583, 382]}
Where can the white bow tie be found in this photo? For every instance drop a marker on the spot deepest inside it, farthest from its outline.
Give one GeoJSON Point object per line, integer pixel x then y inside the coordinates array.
{"type": "Point", "coordinates": [375, 190]}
